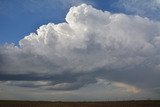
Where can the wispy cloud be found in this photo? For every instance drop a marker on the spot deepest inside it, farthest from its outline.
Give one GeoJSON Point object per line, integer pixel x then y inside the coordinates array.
{"type": "Point", "coordinates": [145, 8]}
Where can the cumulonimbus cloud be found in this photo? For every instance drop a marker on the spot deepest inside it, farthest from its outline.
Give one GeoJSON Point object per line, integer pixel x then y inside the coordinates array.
{"type": "Point", "coordinates": [91, 44]}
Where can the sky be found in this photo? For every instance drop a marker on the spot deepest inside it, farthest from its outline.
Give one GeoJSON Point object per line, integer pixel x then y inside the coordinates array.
{"type": "Point", "coordinates": [79, 50]}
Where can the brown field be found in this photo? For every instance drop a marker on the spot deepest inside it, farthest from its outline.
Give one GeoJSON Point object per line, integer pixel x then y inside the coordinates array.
{"type": "Point", "coordinates": [80, 104]}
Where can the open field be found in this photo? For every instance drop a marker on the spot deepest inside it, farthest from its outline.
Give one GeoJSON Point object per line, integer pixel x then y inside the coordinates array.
{"type": "Point", "coordinates": [80, 104]}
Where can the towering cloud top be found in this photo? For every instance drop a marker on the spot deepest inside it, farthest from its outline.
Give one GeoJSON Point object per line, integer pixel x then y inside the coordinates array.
{"type": "Point", "coordinates": [89, 46]}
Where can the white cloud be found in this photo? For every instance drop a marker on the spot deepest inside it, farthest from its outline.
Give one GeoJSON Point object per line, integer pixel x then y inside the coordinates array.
{"type": "Point", "coordinates": [26, 83]}
{"type": "Point", "coordinates": [127, 87]}
{"type": "Point", "coordinates": [89, 40]}
{"type": "Point", "coordinates": [122, 86]}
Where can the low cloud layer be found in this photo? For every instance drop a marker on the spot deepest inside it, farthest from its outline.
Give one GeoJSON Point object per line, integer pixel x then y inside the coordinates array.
{"type": "Point", "coordinates": [90, 45]}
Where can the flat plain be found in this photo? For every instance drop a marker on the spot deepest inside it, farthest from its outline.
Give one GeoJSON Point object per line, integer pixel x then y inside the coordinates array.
{"type": "Point", "coordinates": [146, 103]}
